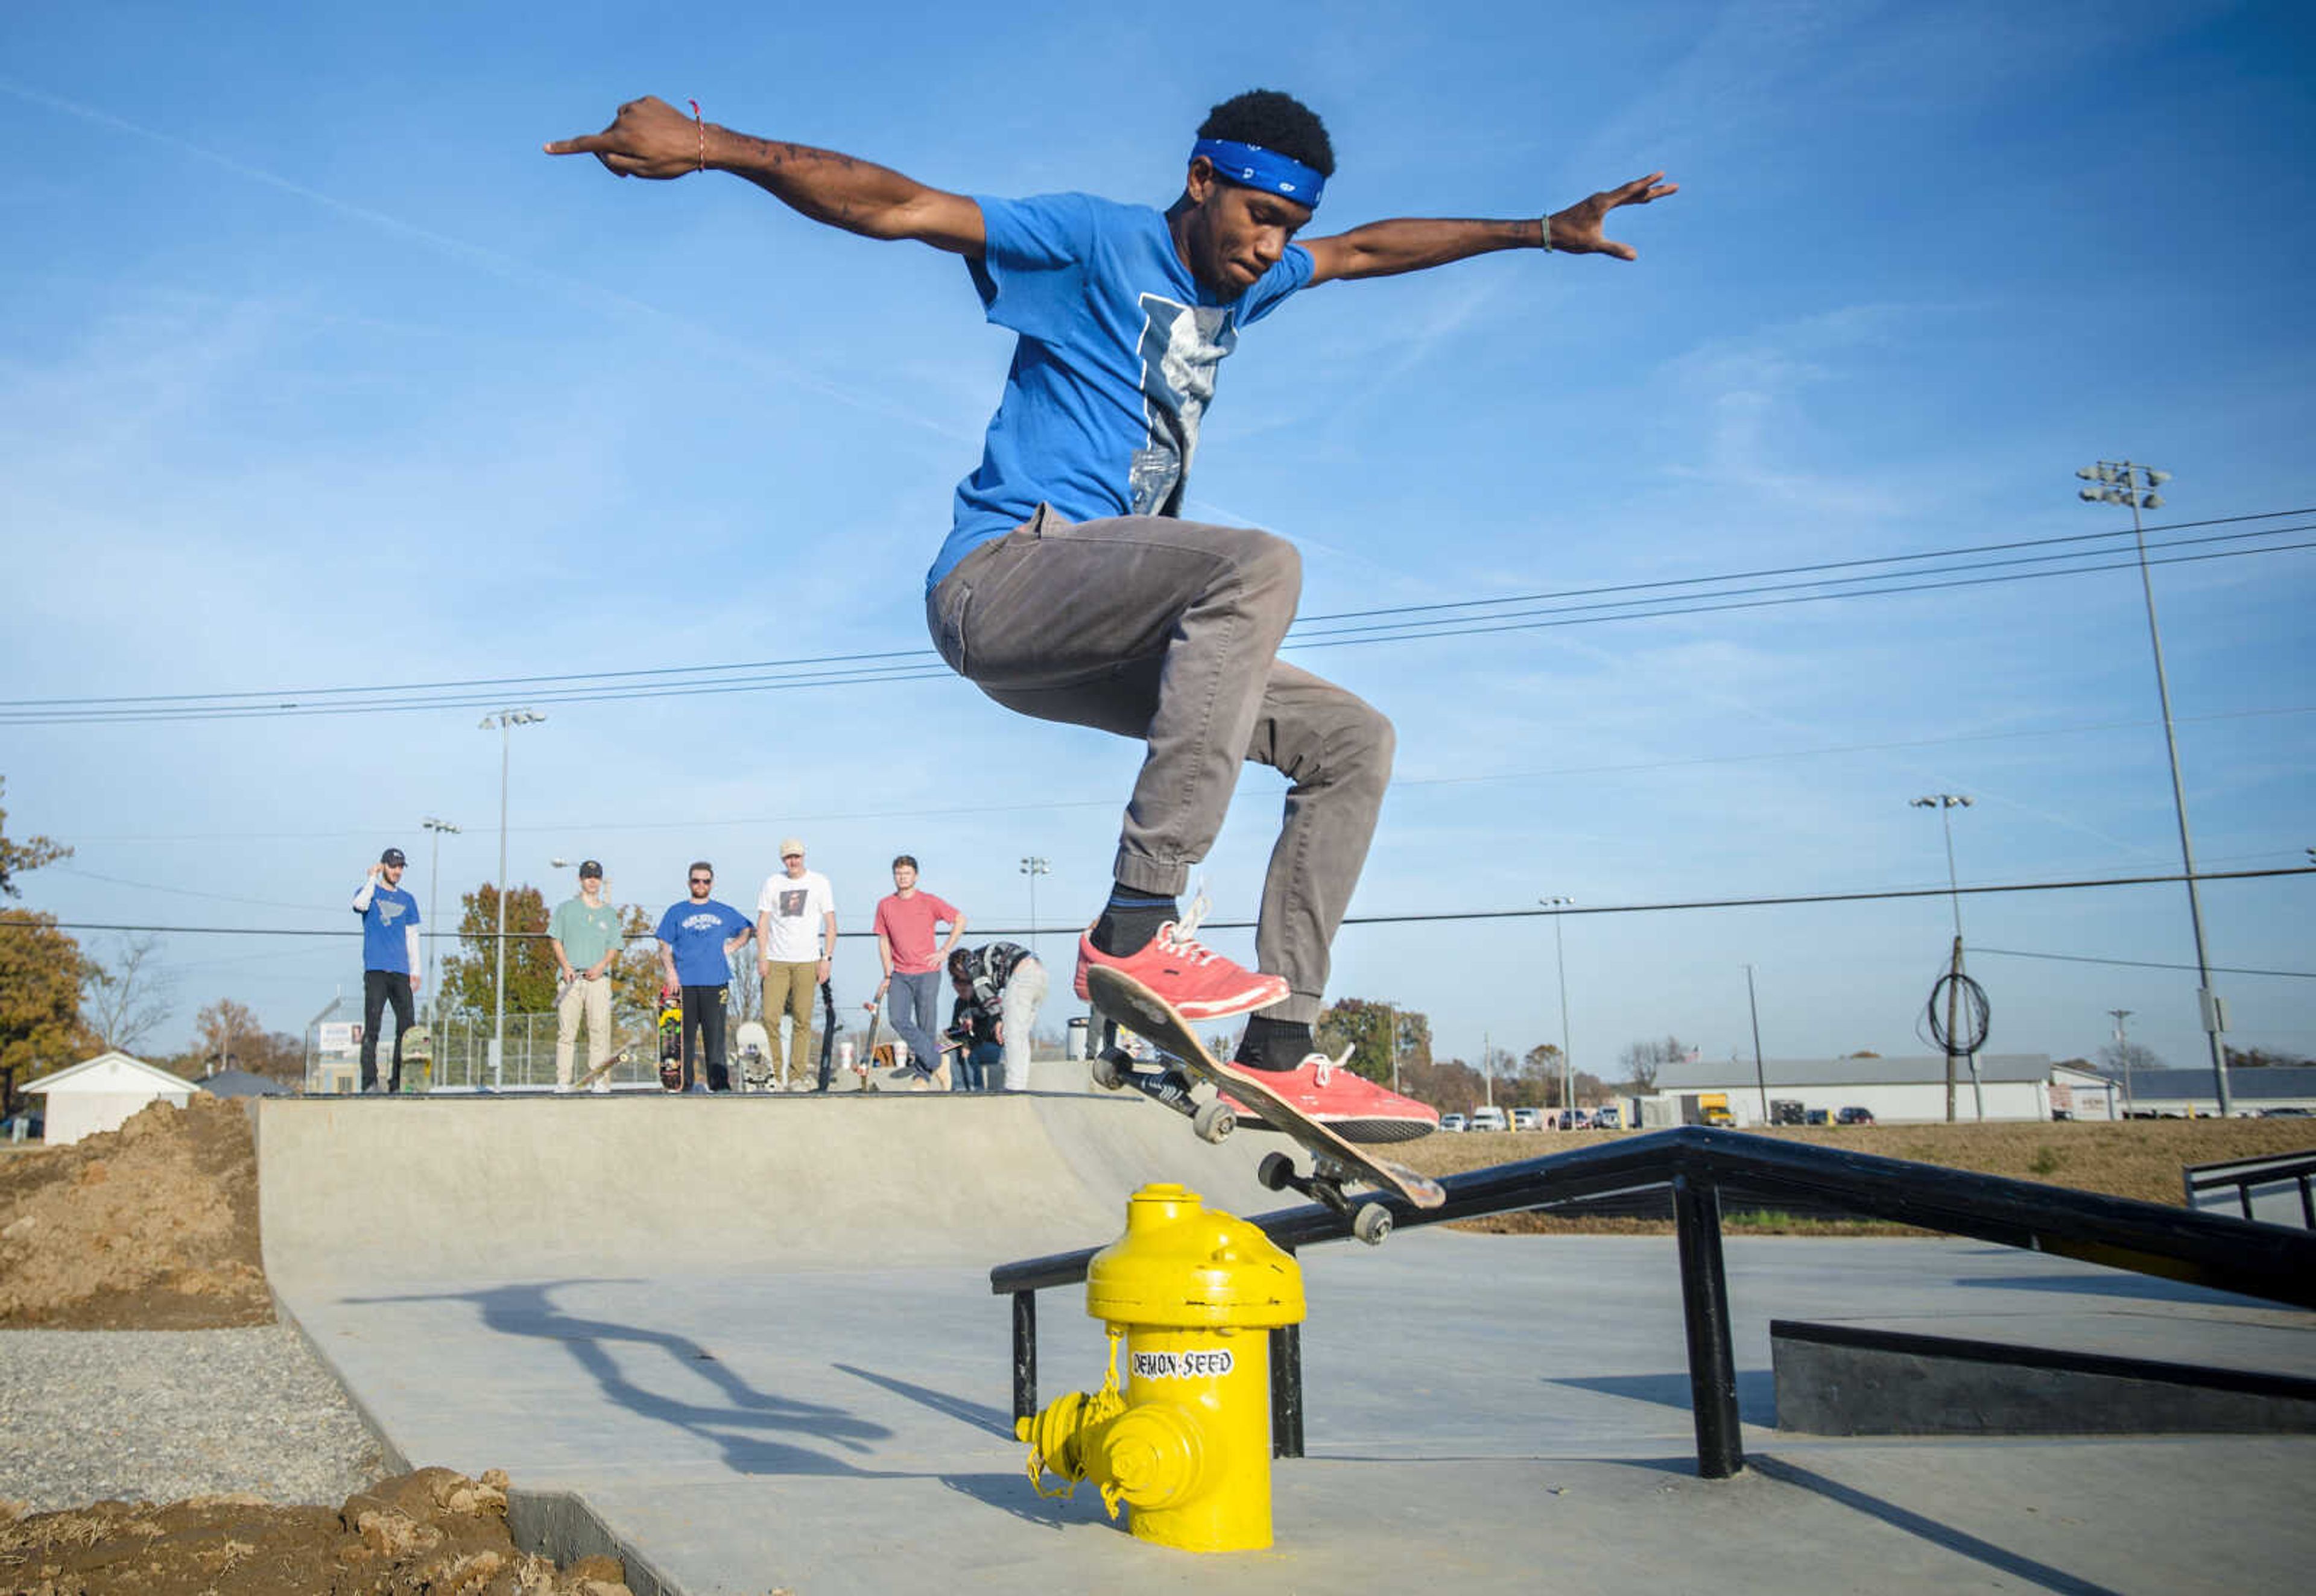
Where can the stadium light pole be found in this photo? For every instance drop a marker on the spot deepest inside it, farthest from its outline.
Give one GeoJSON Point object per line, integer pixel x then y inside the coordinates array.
{"type": "Point", "coordinates": [434, 903]}
{"type": "Point", "coordinates": [1559, 963]}
{"type": "Point", "coordinates": [1033, 866]}
{"type": "Point", "coordinates": [505, 720]}
{"type": "Point", "coordinates": [1945, 803]}
{"type": "Point", "coordinates": [1761, 1074]}
{"type": "Point", "coordinates": [2124, 481]}
{"type": "Point", "coordinates": [2123, 1056]}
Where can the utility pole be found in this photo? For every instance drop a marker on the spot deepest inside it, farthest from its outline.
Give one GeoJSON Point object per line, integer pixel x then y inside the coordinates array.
{"type": "Point", "coordinates": [1033, 867]}
{"type": "Point", "coordinates": [2123, 1054]}
{"type": "Point", "coordinates": [1560, 961]}
{"type": "Point", "coordinates": [434, 904]}
{"type": "Point", "coordinates": [1761, 1077]}
{"type": "Point", "coordinates": [2122, 482]}
{"type": "Point", "coordinates": [1944, 803]}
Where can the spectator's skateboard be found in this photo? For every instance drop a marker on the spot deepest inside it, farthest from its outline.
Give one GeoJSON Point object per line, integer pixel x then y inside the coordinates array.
{"type": "Point", "coordinates": [1335, 1163]}
{"type": "Point", "coordinates": [752, 1043]}
{"type": "Point", "coordinates": [670, 1039]}
{"type": "Point", "coordinates": [864, 1062]}
{"type": "Point", "coordinates": [827, 1034]}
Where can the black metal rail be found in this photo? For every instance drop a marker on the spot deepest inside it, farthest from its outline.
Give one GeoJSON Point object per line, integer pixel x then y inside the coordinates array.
{"type": "Point", "coordinates": [2244, 1174]}
{"type": "Point", "coordinates": [2227, 1254]}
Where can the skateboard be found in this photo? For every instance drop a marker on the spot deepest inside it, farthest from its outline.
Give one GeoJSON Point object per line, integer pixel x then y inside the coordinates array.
{"type": "Point", "coordinates": [417, 1046]}
{"type": "Point", "coordinates": [1335, 1163]}
{"type": "Point", "coordinates": [670, 1039]}
{"type": "Point", "coordinates": [754, 1048]}
{"type": "Point", "coordinates": [864, 1063]}
{"type": "Point", "coordinates": [827, 1035]}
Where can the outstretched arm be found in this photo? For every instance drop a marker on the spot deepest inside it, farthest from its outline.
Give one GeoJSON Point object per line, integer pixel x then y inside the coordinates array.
{"type": "Point", "coordinates": [651, 138]}
{"type": "Point", "coordinates": [1385, 249]}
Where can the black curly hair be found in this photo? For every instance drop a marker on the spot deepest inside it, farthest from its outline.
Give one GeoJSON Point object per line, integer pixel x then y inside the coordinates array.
{"type": "Point", "coordinates": [1277, 122]}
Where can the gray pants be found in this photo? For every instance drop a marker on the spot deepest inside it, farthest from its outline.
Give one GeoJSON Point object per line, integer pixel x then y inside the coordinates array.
{"type": "Point", "coordinates": [912, 1007]}
{"type": "Point", "coordinates": [1168, 631]}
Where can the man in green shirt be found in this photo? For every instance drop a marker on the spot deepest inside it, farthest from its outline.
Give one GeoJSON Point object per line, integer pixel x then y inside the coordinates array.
{"type": "Point", "coordinates": [586, 935]}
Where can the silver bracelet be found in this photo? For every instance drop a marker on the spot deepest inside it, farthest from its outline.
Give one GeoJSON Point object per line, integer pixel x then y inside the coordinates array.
{"type": "Point", "coordinates": [1544, 226]}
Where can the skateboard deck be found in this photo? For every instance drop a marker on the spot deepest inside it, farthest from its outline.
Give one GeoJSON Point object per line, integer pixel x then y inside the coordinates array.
{"type": "Point", "coordinates": [1335, 1162]}
{"type": "Point", "coordinates": [671, 1040]}
{"type": "Point", "coordinates": [753, 1047]}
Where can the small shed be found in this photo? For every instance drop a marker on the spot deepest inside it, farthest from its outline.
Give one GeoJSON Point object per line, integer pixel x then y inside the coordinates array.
{"type": "Point", "coordinates": [101, 1094]}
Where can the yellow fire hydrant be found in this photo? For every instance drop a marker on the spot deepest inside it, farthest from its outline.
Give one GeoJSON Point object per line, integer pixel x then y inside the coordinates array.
{"type": "Point", "coordinates": [1194, 1293]}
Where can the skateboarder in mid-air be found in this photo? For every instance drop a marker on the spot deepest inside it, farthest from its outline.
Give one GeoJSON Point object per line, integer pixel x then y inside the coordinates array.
{"type": "Point", "coordinates": [1071, 590]}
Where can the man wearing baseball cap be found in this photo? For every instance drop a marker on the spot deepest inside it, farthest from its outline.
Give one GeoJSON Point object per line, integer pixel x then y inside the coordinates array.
{"type": "Point", "coordinates": [585, 936]}
{"type": "Point", "coordinates": [795, 938]}
{"type": "Point", "coordinates": [390, 964]}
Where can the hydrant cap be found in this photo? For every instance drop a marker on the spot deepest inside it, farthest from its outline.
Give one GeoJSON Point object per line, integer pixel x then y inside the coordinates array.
{"type": "Point", "coordinates": [1182, 1265]}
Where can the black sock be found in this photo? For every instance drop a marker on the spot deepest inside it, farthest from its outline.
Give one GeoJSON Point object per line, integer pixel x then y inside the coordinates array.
{"type": "Point", "coordinates": [1130, 920]}
{"type": "Point", "coordinates": [1273, 1045]}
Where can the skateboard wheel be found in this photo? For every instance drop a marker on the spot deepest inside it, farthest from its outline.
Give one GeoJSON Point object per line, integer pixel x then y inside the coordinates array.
{"type": "Point", "coordinates": [1372, 1223]}
{"type": "Point", "coordinates": [1109, 1067]}
{"type": "Point", "coordinates": [1213, 1122]}
{"type": "Point", "coordinates": [1275, 1172]}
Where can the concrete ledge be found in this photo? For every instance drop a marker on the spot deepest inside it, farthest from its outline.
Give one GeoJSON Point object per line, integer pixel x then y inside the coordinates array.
{"type": "Point", "coordinates": [1854, 1379]}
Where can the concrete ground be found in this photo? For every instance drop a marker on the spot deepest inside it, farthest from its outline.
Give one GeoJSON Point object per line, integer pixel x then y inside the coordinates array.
{"type": "Point", "coordinates": [756, 1339]}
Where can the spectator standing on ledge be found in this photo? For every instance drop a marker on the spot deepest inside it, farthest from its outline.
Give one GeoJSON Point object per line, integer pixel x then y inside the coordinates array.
{"type": "Point", "coordinates": [907, 929]}
{"type": "Point", "coordinates": [586, 935]}
{"type": "Point", "coordinates": [796, 941]}
{"type": "Point", "coordinates": [390, 962]}
{"type": "Point", "coordinates": [1010, 982]}
{"type": "Point", "coordinates": [697, 938]}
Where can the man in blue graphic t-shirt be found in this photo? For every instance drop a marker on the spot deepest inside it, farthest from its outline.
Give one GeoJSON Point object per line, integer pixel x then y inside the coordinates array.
{"type": "Point", "coordinates": [390, 963]}
{"type": "Point", "coordinates": [697, 938]}
{"type": "Point", "coordinates": [1071, 588]}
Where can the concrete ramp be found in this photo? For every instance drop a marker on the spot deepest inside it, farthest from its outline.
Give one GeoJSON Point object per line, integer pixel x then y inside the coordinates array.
{"type": "Point", "coordinates": [530, 1188]}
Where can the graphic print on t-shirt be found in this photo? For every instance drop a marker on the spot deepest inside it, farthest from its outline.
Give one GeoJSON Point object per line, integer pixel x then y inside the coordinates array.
{"type": "Point", "coordinates": [1181, 346]}
{"type": "Point", "coordinates": [792, 901]}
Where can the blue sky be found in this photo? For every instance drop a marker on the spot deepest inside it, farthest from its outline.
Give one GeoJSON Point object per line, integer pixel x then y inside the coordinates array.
{"type": "Point", "coordinates": [319, 373]}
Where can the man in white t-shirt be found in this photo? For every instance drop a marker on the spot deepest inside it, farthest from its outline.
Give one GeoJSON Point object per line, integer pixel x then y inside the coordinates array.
{"type": "Point", "coordinates": [795, 938]}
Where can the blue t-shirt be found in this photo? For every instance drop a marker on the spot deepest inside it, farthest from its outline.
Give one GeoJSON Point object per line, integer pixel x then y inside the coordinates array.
{"type": "Point", "coordinates": [698, 933]}
{"type": "Point", "coordinates": [1115, 366]}
{"type": "Point", "coordinates": [385, 924]}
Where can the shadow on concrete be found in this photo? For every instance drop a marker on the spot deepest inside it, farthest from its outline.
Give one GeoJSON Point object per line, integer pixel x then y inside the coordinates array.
{"type": "Point", "coordinates": [1945, 1536]}
{"type": "Point", "coordinates": [1010, 1494]}
{"type": "Point", "coordinates": [1757, 1391]}
{"type": "Point", "coordinates": [746, 1424]}
{"type": "Point", "coordinates": [996, 1421]}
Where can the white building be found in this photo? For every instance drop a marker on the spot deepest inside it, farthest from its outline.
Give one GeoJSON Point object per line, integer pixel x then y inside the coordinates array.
{"type": "Point", "coordinates": [2016, 1086]}
{"type": "Point", "coordinates": [101, 1094]}
{"type": "Point", "coordinates": [2185, 1091]}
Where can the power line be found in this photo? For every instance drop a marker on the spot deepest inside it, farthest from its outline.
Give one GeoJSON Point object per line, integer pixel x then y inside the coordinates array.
{"type": "Point", "coordinates": [1416, 622]}
{"type": "Point", "coordinates": [2144, 963]}
{"type": "Point", "coordinates": [1885, 895]}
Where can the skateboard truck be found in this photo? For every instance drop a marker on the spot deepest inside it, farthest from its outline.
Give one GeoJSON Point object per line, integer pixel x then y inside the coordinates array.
{"type": "Point", "coordinates": [1370, 1222]}
{"type": "Point", "coordinates": [1211, 1121]}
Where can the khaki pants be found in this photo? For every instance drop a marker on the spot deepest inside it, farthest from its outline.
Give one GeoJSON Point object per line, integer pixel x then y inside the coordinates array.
{"type": "Point", "coordinates": [592, 998]}
{"type": "Point", "coordinates": [789, 988]}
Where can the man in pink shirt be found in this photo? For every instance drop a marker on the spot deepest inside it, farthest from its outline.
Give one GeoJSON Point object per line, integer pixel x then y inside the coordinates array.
{"type": "Point", "coordinates": [908, 925]}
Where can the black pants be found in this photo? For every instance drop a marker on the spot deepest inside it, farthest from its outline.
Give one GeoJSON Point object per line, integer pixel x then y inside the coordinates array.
{"type": "Point", "coordinates": [380, 987]}
{"type": "Point", "coordinates": [703, 1006]}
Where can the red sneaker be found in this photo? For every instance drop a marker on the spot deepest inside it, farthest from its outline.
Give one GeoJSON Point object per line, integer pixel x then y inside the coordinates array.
{"type": "Point", "coordinates": [1352, 1106]}
{"type": "Point", "coordinates": [1199, 982]}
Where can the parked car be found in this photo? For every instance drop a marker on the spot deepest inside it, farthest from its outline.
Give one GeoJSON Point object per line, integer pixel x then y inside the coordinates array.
{"type": "Point", "coordinates": [1821, 1116]}
{"type": "Point", "coordinates": [1854, 1116]}
{"type": "Point", "coordinates": [1610, 1118]}
{"type": "Point", "coordinates": [1452, 1122]}
{"type": "Point", "coordinates": [1528, 1119]}
{"type": "Point", "coordinates": [1490, 1117]}
{"type": "Point", "coordinates": [2288, 1111]}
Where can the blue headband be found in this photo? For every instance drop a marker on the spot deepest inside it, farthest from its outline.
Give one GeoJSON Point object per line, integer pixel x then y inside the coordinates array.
{"type": "Point", "coordinates": [1251, 166]}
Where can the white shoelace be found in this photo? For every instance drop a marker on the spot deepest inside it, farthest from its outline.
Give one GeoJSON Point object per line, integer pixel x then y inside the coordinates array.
{"type": "Point", "coordinates": [1179, 935]}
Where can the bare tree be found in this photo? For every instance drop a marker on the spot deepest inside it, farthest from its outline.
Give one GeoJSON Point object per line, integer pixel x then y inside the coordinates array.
{"type": "Point", "coordinates": [126, 992]}
{"type": "Point", "coordinates": [1642, 1059]}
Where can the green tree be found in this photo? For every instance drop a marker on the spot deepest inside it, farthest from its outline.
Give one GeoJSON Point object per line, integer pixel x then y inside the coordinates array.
{"type": "Point", "coordinates": [18, 858]}
{"type": "Point", "coordinates": [470, 975]}
{"type": "Point", "coordinates": [41, 975]}
{"type": "Point", "coordinates": [1368, 1028]}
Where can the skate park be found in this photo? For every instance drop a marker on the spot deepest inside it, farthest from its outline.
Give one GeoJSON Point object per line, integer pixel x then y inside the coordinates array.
{"type": "Point", "coordinates": [760, 1344]}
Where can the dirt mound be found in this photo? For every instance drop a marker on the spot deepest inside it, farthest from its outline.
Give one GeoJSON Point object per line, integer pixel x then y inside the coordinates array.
{"type": "Point", "coordinates": [152, 1226]}
{"type": "Point", "coordinates": [432, 1531]}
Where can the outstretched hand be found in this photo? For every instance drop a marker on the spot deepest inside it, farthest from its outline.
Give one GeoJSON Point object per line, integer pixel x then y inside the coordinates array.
{"type": "Point", "coordinates": [1576, 231]}
{"type": "Point", "coordinates": [649, 137]}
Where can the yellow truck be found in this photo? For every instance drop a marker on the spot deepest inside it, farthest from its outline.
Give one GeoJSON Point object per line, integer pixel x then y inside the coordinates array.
{"type": "Point", "coordinates": [1713, 1109]}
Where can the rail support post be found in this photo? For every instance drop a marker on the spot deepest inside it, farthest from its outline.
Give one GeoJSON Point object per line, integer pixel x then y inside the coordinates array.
{"type": "Point", "coordinates": [1025, 1354]}
{"type": "Point", "coordinates": [1704, 1314]}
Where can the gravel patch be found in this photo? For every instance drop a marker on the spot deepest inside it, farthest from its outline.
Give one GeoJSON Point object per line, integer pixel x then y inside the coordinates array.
{"type": "Point", "coordinates": [158, 1416]}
